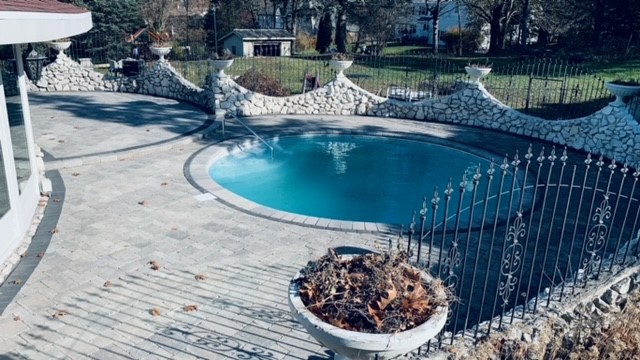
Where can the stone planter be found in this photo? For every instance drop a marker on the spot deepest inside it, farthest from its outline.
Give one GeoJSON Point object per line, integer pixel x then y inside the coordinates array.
{"type": "Point", "coordinates": [220, 65]}
{"type": "Point", "coordinates": [60, 47]}
{"type": "Point", "coordinates": [621, 91]}
{"type": "Point", "coordinates": [160, 51]}
{"type": "Point", "coordinates": [476, 73]}
{"type": "Point", "coordinates": [340, 65]}
{"type": "Point", "coordinates": [355, 345]}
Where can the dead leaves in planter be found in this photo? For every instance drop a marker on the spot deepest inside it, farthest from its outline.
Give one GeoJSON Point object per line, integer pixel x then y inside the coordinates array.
{"type": "Point", "coordinates": [373, 293]}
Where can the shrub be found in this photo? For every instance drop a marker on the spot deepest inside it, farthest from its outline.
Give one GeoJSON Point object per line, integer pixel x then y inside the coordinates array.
{"type": "Point", "coordinates": [305, 42]}
{"type": "Point", "coordinates": [470, 40]}
{"type": "Point", "coordinates": [262, 83]}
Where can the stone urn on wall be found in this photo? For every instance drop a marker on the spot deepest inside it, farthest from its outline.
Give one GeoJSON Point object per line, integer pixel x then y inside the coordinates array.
{"type": "Point", "coordinates": [350, 343]}
{"type": "Point", "coordinates": [622, 89]}
{"type": "Point", "coordinates": [221, 60]}
{"type": "Point", "coordinates": [60, 46]}
{"type": "Point", "coordinates": [477, 72]}
{"type": "Point", "coordinates": [340, 62]}
{"type": "Point", "coordinates": [161, 50]}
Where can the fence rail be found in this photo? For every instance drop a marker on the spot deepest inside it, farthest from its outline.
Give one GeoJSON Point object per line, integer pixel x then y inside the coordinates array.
{"type": "Point", "coordinates": [548, 88]}
{"type": "Point", "coordinates": [524, 232]}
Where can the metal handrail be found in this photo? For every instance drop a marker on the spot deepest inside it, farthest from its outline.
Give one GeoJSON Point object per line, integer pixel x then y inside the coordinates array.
{"type": "Point", "coordinates": [248, 128]}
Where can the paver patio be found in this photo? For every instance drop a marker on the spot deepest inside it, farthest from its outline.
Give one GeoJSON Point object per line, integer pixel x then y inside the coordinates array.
{"type": "Point", "coordinates": [117, 216]}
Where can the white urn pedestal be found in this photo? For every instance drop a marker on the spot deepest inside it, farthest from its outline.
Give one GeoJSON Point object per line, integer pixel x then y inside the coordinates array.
{"type": "Point", "coordinates": [160, 51]}
{"type": "Point", "coordinates": [340, 66]}
{"type": "Point", "coordinates": [476, 73]}
{"type": "Point", "coordinates": [621, 91]}
{"type": "Point", "coordinates": [220, 65]}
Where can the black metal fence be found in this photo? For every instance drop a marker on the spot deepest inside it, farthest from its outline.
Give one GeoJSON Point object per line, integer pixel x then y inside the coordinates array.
{"type": "Point", "coordinates": [524, 232]}
{"type": "Point", "coordinates": [548, 88]}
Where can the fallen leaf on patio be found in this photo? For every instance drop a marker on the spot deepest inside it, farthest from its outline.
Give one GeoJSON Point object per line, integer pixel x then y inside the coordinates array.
{"type": "Point", "coordinates": [24, 254]}
{"type": "Point", "coordinates": [60, 313]}
{"type": "Point", "coordinates": [155, 311]}
{"type": "Point", "coordinates": [54, 230]}
{"type": "Point", "coordinates": [17, 318]}
{"type": "Point", "coordinates": [60, 141]}
{"type": "Point", "coordinates": [164, 183]}
{"type": "Point", "coordinates": [200, 277]}
{"type": "Point", "coordinates": [148, 130]}
{"type": "Point", "coordinates": [190, 308]}
{"type": "Point", "coordinates": [40, 254]}
{"type": "Point", "coordinates": [16, 282]}
{"type": "Point", "coordinates": [76, 127]}
{"type": "Point", "coordinates": [143, 202]}
{"type": "Point", "coordinates": [57, 200]}
{"type": "Point", "coordinates": [75, 174]}
{"type": "Point", "coordinates": [154, 265]}
{"type": "Point", "coordinates": [107, 284]}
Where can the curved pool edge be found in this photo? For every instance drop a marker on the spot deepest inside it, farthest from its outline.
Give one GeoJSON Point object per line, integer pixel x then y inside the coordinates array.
{"type": "Point", "coordinates": [198, 168]}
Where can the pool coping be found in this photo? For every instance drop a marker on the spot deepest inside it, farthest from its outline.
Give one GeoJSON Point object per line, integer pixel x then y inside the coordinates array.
{"type": "Point", "coordinates": [196, 171]}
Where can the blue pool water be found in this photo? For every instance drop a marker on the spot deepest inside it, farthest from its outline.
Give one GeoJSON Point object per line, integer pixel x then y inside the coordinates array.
{"type": "Point", "coordinates": [354, 178]}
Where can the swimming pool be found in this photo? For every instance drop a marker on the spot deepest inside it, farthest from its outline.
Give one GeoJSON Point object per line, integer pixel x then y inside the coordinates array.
{"type": "Point", "coordinates": [346, 177]}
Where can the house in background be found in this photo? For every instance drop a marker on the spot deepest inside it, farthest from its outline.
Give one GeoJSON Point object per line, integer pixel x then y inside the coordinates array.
{"type": "Point", "coordinates": [23, 22]}
{"type": "Point", "coordinates": [418, 25]}
{"type": "Point", "coordinates": [259, 42]}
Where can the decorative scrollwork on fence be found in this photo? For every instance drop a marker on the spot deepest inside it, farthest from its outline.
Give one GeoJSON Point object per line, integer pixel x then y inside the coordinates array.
{"type": "Point", "coordinates": [511, 259]}
{"type": "Point", "coordinates": [447, 271]}
{"type": "Point", "coordinates": [596, 238]}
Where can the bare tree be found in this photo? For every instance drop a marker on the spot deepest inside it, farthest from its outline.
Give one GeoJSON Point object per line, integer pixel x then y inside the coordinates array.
{"type": "Point", "coordinates": [156, 13]}
{"type": "Point", "coordinates": [499, 14]}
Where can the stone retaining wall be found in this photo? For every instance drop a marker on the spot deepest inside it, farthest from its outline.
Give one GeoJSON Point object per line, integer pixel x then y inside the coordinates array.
{"type": "Point", "coordinates": [612, 131]}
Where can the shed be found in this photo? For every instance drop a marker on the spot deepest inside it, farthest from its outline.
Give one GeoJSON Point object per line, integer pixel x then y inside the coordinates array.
{"type": "Point", "coordinates": [259, 42]}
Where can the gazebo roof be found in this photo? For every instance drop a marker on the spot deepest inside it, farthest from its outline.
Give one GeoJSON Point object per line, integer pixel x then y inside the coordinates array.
{"type": "Point", "coordinates": [24, 21]}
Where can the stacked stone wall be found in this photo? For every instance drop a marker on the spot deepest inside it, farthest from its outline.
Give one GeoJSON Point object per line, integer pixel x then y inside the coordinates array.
{"type": "Point", "coordinates": [612, 131]}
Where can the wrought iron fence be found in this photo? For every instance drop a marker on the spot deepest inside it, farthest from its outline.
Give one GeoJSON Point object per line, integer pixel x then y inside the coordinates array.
{"type": "Point", "coordinates": [524, 232]}
{"type": "Point", "coordinates": [548, 88]}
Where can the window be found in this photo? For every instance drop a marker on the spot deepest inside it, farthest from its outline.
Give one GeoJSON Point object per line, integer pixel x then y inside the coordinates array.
{"type": "Point", "coordinates": [19, 139]}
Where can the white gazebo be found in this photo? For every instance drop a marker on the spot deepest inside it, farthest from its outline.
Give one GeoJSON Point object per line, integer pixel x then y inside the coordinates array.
{"type": "Point", "coordinates": [23, 22]}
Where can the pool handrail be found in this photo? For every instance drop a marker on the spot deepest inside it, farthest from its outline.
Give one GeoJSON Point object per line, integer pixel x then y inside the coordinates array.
{"type": "Point", "coordinates": [233, 116]}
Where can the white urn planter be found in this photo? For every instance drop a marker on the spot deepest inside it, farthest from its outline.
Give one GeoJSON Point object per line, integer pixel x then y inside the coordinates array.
{"type": "Point", "coordinates": [160, 51]}
{"type": "Point", "coordinates": [60, 47]}
{"type": "Point", "coordinates": [621, 91]}
{"type": "Point", "coordinates": [353, 345]}
{"type": "Point", "coordinates": [340, 65]}
{"type": "Point", "coordinates": [476, 73]}
{"type": "Point", "coordinates": [220, 65]}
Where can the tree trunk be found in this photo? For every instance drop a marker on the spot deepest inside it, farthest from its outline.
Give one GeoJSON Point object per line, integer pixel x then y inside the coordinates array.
{"type": "Point", "coordinates": [436, 26]}
{"type": "Point", "coordinates": [524, 24]}
{"type": "Point", "coordinates": [341, 30]}
{"type": "Point", "coordinates": [496, 33]}
{"type": "Point", "coordinates": [598, 21]}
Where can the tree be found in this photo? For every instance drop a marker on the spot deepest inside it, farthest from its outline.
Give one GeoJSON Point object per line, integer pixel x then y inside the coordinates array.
{"type": "Point", "coordinates": [325, 28]}
{"type": "Point", "coordinates": [156, 13]}
{"type": "Point", "coordinates": [224, 16]}
{"type": "Point", "coordinates": [111, 20]}
{"type": "Point", "coordinates": [387, 14]}
{"type": "Point", "coordinates": [499, 14]}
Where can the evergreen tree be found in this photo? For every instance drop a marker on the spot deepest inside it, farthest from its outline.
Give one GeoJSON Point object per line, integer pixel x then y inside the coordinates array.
{"type": "Point", "coordinates": [325, 28]}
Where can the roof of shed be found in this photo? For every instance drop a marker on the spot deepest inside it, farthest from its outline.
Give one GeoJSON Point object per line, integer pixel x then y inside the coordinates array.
{"type": "Point", "coordinates": [261, 34]}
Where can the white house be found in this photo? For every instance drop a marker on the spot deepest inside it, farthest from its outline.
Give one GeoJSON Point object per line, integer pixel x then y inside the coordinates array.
{"type": "Point", "coordinates": [23, 22]}
{"type": "Point", "coordinates": [419, 24]}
